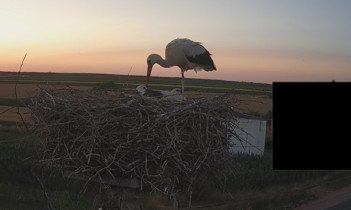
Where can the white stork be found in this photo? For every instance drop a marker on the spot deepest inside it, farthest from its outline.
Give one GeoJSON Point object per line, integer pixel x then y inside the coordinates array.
{"type": "Point", "coordinates": [185, 54]}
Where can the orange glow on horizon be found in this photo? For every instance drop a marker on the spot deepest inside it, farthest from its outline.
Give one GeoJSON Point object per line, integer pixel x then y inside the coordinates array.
{"type": "Point", "coordinates": [239, 65]}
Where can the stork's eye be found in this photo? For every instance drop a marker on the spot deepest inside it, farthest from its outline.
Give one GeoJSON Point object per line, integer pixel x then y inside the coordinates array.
{"type": "Point", "coordinates": [148, 61]}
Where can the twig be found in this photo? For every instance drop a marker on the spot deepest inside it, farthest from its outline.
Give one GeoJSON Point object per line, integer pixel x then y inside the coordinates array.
{"type": "Point", "coordinates": [130, 69]}
{"type": "Point", "coordinates": [18, 107]}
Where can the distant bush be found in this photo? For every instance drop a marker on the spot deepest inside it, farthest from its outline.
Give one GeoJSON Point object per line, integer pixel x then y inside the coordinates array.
{"type": "Point", "coordinates": [14, 102]}
{"type": "Point", "coordinates": [257, 172]}
{"type": "Point", "coordinates": [267, 115]}
{"type": "Point", "coordinates": [107, 86]}
{"type": "Point", "coordinates": [268, 144]}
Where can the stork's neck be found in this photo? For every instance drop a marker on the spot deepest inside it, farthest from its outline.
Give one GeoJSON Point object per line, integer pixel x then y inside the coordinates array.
{"type": "Point", "coordinates": [163, 62]}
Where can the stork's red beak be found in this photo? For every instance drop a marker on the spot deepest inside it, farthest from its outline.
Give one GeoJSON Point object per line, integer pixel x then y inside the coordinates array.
{"type": "Point", "coordinates": [149, 69]}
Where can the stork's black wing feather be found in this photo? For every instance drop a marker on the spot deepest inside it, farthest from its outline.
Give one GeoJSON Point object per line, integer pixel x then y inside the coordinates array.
{"type": "Point", "coordinates": [202, 59]}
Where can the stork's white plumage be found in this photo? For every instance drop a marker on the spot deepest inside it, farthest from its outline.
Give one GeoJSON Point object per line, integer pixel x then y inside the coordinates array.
{"type": "Point", "coordinates": [185, 54]}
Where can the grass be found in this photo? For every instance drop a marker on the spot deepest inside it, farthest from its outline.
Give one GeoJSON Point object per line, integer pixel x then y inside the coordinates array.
{"type": "Point", "coordinates": [15, 165]}
{"type": "Point", "coordinates": [19, 188]}
{"type": "Point", "coordinates": [255, 172]}
{"type": "Point", "coordinates": [254, 185]}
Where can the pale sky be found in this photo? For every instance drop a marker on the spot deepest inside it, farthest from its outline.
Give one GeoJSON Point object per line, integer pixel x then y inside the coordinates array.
{"type": "Point", "coordinates": [251, 41]}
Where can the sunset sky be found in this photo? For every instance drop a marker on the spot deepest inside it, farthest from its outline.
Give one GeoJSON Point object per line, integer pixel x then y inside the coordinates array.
{"type": "Point", "coordinates": [251, 40]}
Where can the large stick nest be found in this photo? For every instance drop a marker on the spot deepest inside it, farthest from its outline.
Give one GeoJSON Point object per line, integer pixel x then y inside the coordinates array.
{"type": "Point", "coordinates": [162, 143]}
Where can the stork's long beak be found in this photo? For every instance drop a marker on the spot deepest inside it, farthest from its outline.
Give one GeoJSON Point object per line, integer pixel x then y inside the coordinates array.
{"type": "Point", "coordinates": [149, 69]}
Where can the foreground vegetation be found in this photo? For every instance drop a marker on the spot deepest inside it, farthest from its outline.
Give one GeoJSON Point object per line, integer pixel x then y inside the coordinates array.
{"type": "Point", "coordinates": [252, 184]}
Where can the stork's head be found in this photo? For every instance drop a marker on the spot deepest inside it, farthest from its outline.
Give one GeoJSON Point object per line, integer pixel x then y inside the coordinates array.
{"type": "Point", "coordinates": [151, 60]}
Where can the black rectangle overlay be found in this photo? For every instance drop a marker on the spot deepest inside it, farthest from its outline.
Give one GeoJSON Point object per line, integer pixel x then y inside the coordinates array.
{"type": "Point", "coordinates": [311, 125]}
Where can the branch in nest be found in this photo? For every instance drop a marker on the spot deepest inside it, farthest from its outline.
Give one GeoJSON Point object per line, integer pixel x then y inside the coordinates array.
{"type": "Point", "coordinates": [18, 108]}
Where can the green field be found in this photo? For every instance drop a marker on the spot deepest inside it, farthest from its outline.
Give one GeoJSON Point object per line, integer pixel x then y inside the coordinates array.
{"type": "Point", "coordinates": [205, 85]}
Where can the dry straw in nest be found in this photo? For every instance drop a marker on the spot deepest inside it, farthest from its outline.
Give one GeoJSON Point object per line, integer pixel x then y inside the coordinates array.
{"type": "Point", "coordinates": [164, 144]}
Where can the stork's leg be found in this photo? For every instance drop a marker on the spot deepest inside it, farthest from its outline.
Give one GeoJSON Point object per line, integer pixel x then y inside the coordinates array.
{"type": "Point", "coordinates": [182, 82]}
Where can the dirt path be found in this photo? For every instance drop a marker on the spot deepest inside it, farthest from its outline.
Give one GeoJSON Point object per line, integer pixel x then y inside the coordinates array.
{"type": "Point", "coordinates": [339, 199]}
{"type": "Point", "coordinates": [9, 114]}
{"type": "Point", "coordinates": [246, 103]}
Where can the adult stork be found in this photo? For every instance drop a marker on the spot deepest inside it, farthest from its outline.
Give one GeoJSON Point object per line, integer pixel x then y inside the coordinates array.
{"type": "Point", "coordinates": [184, 53]}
